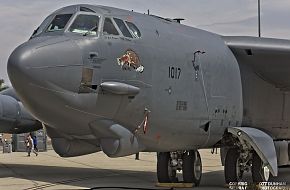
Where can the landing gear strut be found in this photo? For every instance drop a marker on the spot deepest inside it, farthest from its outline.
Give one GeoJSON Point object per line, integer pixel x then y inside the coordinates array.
{"type": "Point", "coordinates": [168, 163]}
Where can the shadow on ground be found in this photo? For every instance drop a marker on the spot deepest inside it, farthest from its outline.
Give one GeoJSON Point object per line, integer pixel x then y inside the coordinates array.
{"type": "Point", "coordinates": [92, 177]}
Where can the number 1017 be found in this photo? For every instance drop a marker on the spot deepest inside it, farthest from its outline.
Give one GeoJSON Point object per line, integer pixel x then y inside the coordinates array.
{"type": "Point", "coordinates": [174, 72]}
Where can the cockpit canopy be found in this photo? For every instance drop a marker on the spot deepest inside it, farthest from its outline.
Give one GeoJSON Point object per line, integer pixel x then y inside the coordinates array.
{"type": "Point", "coordinates": [59, 22]}
{"type": "Point", "coordinates": [87, 22]}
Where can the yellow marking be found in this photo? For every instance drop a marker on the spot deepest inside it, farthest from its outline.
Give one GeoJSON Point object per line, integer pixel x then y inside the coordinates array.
{"type": "Point", "coordinates": [175, 185]}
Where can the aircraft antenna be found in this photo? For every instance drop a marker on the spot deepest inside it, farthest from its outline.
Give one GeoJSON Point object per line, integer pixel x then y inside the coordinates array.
{"type": "Point", "coordinates": [259, 18]}
{"type": "Point", "coordinates": [178, 20]}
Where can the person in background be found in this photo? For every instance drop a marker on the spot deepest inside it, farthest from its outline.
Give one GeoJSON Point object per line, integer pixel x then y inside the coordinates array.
{"type": "Point", "coordinates": [30, 146]}
{"type": "Point", "coordinates": [26, 143]}
{"type": "Point", "coordinates": [34, 138]}
{"type": "Point", "coordinates": [137, 156]}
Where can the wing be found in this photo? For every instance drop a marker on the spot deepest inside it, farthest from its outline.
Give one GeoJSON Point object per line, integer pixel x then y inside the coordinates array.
{"type": "Point", "coordinates": [269, 58]}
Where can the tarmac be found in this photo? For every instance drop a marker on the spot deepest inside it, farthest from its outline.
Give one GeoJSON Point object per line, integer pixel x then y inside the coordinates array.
{"type": "Point", "coordinates": [97, 171]}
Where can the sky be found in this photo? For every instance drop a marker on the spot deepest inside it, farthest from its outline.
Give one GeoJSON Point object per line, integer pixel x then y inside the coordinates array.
{"type": "Point", "coordinates": [18, 18]}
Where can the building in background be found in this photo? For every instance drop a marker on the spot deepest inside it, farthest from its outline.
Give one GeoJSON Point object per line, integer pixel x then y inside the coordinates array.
{"type": "Point", "coordinates": [19, 144]}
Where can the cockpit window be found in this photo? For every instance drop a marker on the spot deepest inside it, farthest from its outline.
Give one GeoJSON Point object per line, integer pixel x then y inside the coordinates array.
{"type": "Point", "coordinates": [109, 28]}
{"type": "Point", "coordinates": [85, 24]}
{"type": "Point", "coordinates": [123, 28]}
{"type": "Point", "coordinates": [134, 29]}
{"type": "Point", "coordinates": [59, 22]}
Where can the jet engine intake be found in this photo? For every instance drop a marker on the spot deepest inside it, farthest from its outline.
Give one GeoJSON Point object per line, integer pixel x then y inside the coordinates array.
{"type": "Point", "coordinates": [14, 118]}
{"type": "Point", "coordinates": [123, 143]}
{"type": "Point", "coordinates": [75, 147]}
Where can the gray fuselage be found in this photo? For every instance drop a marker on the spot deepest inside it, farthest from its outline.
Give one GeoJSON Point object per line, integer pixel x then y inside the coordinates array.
{"type": "Point", "coordinates": [190, 90]}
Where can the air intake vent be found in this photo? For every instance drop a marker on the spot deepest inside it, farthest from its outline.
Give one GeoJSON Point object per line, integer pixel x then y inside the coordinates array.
{"type": "Point", "coordinates": [249, 52]}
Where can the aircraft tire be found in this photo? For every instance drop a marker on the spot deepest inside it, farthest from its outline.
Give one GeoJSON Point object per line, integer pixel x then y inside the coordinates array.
{"type": "Point", "coordinates": [163, 159]}
{"type": "Point", "coordinates": [259, 172]}
{"type": "Point", "coordinates": [230, 169]}
{"type": "Point", "coordinates": [192, 167]}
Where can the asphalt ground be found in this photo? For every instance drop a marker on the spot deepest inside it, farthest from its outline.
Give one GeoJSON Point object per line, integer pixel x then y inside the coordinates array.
{"type": "Point", "coordinates": [97, 171]}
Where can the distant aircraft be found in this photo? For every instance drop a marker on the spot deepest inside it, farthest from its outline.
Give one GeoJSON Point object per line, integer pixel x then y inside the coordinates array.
{"type": "Point", "coordinates": [14, 118]}
{"type": "Point", "coordinates": [111, 80]}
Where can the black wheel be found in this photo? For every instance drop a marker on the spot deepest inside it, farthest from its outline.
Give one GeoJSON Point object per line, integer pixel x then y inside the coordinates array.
{"type": "Point", "coordinates": [260, 173]}
{"type": "Point", "coordinates": [192, 167]}
{"type": "Point", "coordinates": [165, 173]}
{"type": "Point", "coordinates": [233, 172]}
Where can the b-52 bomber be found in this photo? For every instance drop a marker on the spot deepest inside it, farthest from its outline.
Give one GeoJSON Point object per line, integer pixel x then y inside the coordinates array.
{"type": "Point", "coordinates": [105, 79]}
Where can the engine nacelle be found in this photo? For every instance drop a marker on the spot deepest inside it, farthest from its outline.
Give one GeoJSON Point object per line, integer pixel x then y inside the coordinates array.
{"type": "Point", "coordinates": [70, 148]}
{"type": "Point", "coordinates": [125, 144]}
{"type": "Point", "coordinates": [14, 118]}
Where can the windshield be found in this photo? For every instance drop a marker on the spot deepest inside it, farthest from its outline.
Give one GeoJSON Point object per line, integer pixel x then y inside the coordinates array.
{"type": "Point", "coordinates": [134, 29]}
{"type": "Point", "coordinates": [123, 28]}
{"type": "Point", "coordinates": [59, 22]}
{"type": "Point", "coordinates": [85, 24]}
{"type": "Point", "coordinates": [42, 26]}
{"type": "Point", "coordinates": [109, 28]}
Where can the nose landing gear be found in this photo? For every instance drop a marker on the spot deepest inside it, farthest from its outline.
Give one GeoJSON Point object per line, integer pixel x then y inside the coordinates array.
{"type": "Point", "coordinates": [189, 162]}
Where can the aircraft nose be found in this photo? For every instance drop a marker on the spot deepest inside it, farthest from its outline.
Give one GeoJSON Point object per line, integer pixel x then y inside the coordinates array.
{"type": "Point", "coordinates": [55, 62]}
{"type": "Point", "coordinates": [17, 64]}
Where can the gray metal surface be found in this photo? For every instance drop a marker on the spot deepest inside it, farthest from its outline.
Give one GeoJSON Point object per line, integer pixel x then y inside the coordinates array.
{"type": "Point", "coordinates": [283, 152]}
{"type": "Point", "coordinates": [193, 99]}
{"type": "Point", "coordinates": [264, 66]}
{"type": "Point", "coordinates": [172, 88]}
{"type": "Point", "coordinates": [269, 58]}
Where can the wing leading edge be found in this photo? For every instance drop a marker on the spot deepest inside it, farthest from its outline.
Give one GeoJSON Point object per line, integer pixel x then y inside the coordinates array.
{"type": "Point", "coordinates": [269, 58]}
